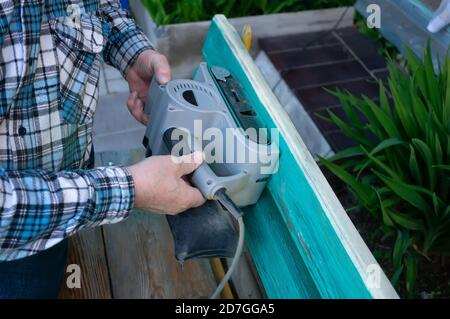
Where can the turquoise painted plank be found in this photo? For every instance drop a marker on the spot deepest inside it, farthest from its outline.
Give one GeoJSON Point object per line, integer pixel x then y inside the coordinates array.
{"type": "Point", "coordinates": [285, 275]}
{"type": "Point", "coordinates": [295, 247]}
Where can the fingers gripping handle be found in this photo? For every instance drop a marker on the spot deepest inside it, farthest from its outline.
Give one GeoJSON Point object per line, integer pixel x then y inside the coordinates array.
{"type": "Point", "coordinates": [203, 176]}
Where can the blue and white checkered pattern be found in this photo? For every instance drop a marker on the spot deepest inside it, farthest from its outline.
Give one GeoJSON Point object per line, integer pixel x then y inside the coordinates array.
{"type": "Point", "coordinates": [50, 55]}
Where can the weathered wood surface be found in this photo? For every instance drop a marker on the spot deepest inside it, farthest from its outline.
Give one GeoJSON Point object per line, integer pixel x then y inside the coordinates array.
{"type": "Point", "coordinates": [86, 249]}
{"type": "Point", "coordinates": [142, 262]}
{"type": "Point", "coordinates": [140, 253]}
{"type": "Point", "coordinates": [302, 241]}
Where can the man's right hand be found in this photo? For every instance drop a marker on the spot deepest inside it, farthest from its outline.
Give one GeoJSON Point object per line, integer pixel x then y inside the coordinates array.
{"type": "Point", "coordinates": [160, 186]}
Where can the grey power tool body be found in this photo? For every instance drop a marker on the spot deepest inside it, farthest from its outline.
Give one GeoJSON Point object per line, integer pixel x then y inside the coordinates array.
{"type": "Point", "coordinates": [188, 115]}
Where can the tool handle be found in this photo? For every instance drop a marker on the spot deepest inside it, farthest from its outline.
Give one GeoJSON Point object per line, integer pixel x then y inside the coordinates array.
{"type": "Point", "coordinates": [203, 177]}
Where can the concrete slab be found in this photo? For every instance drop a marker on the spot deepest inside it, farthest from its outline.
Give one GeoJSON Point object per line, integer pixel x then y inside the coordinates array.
{"type": "Point", "coordinates": [114, 127]}
{"type": "Point", "coordinates": [111, 73]}
{"type": "Point", "coordinates": [118, 85]}
{"type": "Point", "coordinates": [102, 89]}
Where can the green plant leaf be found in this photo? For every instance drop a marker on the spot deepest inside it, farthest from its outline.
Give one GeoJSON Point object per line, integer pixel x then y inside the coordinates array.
{"type": "Point", "coordinates": [436, 204]}
{"type": "Point", "coordinates": [413, 62]}
{"type": "Point", "coordinates": [406, 221]}
{"type": "Point", "coordinates": [393, 201]}
{"type": "Point", "coordinates": [442, 167]}
{"type": "Point", "coordinates": [446, 108]}
{"type": "Point", "coordinates": [347, 129]}
{"type": "Point", "coordinates": [402, 111]}
{"type": "Point", "coordinates": [405, 191]}
{"type": "Point", "coordinates": [384, 119]}
{"type": "Point", "coordinates": [438, 150]}
{"type": "Point", "coordinates": [381, 165]}
{"type": "Point", "coordinates": [359, 169]}
{"type": "Point", "coordinates": [373, 124]}
{"type": "Point", "coordinates": [431, 80]}
{"type": "Point", "coordinates": [384, 101]}
{"type": "Point", "coordinates": [386, 144]}
{"type": "Point", "coordinates": [349, 109]}
{"type": "Point", "coordinates": [402, 243]}
{"type": "Point", "coordinates": [385, 216]}
{"type": "Point", "coordinates": [396, 276]}
{"type": "Point", "coordinates": [418, 107]}
{"type": "Point", "coordinates": [364, 192]}
{"type": "Point", "coordinates": [447, 212]}
{"type": "Point", "coordinates": [412, 264]}
{"type": "Point", "coordinates": [414, 166]}
{"type": "Point", "coordinates": [448, 147]}
{"type": "Point", "coordinates": [425, 151]}
{"type": "Point", "coordinates": [347, 153]}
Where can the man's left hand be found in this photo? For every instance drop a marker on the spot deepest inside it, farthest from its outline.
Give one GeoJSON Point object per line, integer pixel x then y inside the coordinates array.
{"type": "Point", "coordinates": [149, 63]}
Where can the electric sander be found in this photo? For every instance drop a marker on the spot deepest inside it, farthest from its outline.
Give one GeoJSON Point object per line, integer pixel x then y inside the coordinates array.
{"type": "Point", "coordinates": [211, 113]}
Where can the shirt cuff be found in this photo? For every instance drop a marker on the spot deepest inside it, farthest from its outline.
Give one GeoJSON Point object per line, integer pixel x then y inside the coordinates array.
{"type": "Point", "coordinates": [126, 47]}
{"type": "Point", "coordinates": [114, 194]}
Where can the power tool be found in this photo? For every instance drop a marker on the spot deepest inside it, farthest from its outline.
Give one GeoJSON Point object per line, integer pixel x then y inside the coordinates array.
{"type": "Point", "coordinates": [211, 113]}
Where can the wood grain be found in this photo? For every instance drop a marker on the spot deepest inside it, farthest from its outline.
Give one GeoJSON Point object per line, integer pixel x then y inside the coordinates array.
{"type": "Point", "coordinates": [142, 262]}
{"type": "Point", "coordinates": [86, 249]}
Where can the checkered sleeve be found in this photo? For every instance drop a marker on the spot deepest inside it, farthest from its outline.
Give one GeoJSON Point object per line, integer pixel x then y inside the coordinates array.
{"type": "Point", "coordinates": [125, 39]}
{"type": "Point", "coordinates": [40, 208]}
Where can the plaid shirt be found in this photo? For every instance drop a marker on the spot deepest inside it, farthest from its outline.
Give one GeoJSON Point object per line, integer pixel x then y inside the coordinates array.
{"type": "Point", "coordinates": [50, 55]}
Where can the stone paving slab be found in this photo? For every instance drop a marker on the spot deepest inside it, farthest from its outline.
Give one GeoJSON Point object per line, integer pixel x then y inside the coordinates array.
{"type": "Point", "coordinates": [114, 127]}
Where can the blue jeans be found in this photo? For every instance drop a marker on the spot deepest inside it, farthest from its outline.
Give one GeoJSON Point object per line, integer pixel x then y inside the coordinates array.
{"type": "Point", "coordinates": [38, 276]}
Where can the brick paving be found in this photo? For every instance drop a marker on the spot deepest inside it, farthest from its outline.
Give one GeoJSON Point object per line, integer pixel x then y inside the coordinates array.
{"type": "Point", "coordinates": [343, 59]}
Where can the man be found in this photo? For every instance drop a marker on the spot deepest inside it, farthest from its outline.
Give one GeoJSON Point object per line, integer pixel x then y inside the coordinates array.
{"type": "Point", "coordinates": [49, 68]}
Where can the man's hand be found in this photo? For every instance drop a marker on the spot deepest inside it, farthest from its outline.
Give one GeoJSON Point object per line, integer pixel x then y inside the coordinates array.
{"type": "Point", "coordinates": [160, 186]}
{"type": "Point", "coordinates": [149, 63]}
